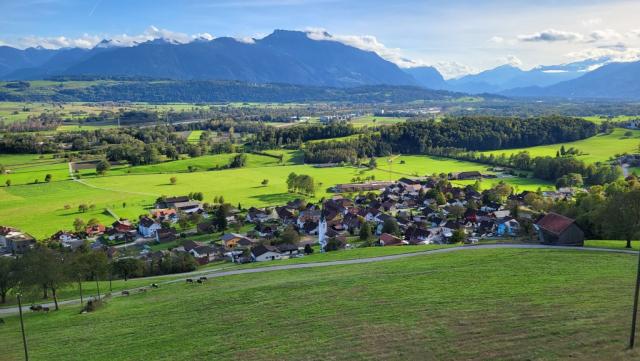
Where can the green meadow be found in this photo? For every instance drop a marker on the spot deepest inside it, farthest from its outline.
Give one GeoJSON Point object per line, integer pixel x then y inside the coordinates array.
{"type": "Point", "coordinates": [470, 305]}
{"type": "Point", "coordinates": [40, 208]}
{"type": "Point", "coordinates": [599, 148]}
{"type": "Point", "coordinates": [372, 121]}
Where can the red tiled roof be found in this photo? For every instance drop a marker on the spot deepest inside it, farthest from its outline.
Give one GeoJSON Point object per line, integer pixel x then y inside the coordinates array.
{"type": "Point", "coordinates": [555, 223]}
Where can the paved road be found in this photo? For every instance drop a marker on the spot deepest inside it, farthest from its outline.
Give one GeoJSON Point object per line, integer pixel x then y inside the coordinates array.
{"type": "Point", "coordinates": [218, 273]}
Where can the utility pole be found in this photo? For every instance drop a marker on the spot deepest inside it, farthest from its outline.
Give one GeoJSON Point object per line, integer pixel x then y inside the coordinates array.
{"type": "Point", "coordinates": [24, 337]}
{"type": "Point", "coordinates": [632, 337]}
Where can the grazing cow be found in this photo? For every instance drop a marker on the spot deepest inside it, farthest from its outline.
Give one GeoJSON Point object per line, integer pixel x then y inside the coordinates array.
{"type": "Point", "coordinates": [199, 281]}
{"type": "Point", "coordinates": [189, 280]}
{"type": "Point", "coordinates": [154, 285]}
{"type": "Point", "coordinates": [142, 290]}
{"type": "Point", "coordinates": [203, 278]}
{"type": "Point", "coordinates": [45, 309]}
{"type": "Point", "coordinates": [125, 293]}
{"type": "Point", "coordinates": [35, 308]}
{"type": "Point", "coordinates": [1, 321]}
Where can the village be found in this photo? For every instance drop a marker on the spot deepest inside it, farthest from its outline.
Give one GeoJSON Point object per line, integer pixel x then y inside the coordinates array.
{"type": "Point", "coordinates": [410, 211]}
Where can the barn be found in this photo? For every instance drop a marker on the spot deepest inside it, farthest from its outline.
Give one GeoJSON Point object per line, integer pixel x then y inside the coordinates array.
{"type": "Point", "coordinates": [556, 229]}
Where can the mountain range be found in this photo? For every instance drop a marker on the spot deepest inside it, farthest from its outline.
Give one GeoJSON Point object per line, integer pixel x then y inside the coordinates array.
{"type": "Point", "coordinates": [292, 57]}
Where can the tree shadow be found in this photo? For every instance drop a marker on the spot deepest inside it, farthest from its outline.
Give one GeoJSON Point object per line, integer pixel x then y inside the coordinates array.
{"type": "Point", "coordinates": [275, 198]}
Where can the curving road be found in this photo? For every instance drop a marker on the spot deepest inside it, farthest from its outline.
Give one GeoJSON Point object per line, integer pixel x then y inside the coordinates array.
{"type": "Point", "coordinates": [213, 274]}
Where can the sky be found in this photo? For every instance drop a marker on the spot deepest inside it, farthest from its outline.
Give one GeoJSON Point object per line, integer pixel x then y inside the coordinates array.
{"type": "Point", "coordinates": [455, 36]}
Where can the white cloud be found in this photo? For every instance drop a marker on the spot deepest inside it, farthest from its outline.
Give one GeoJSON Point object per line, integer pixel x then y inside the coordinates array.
{"type": "Point", "coordinates": [604, 35]}
{"type": "Point", "coordinates": [89, 41]}
{"type": "Point", "coordinates": [551, 35]}
{"type": "Point", "coordinates": [512, 60]}
{"type": "Point", "coordinates": [453, 69]}
{"type": "Point", "coordinates": [606, 54]}
{"type": "Point", "coordinates": [364, 42]}
{"type": "Point", "coordinates": [204, 36]}
{"type": "Point", "coordinates": [84, 41]}
{"type": "Point", "coordinates": [246, 40]}
{"type": "Point", "coordinates": [497, 39]}
{"type": "Point", "coordinates": [633, 33]}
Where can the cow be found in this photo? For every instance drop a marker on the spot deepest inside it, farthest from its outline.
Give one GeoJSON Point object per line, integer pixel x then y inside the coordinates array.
{"type": "Point", "coordinates": [203, 278]}
{"type": "Point", "coordinates": [199, 281]}
{"type": "Point", "coordinates": [45, 309]}
{"type": "Point", "coordinates": [142, 290]}
{"type": "Point", "coordinates": [125, 293]}
{"type": "Point", "coordinates": [189, 280]}
{"type": "Point", "coordinates": [1, 321]}
{"type": "Point", "coordinates": [154, 285]}
{"type": "Point", "coordinates": [36, 308]}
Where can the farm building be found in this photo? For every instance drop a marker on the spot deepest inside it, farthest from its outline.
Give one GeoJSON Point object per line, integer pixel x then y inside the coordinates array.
{"type": "Point", "coordinates": [559, 230]}
{"type": "Point", "coordinates": [466, 175]}
{"type": "Point", "coordinates": [361, 187]}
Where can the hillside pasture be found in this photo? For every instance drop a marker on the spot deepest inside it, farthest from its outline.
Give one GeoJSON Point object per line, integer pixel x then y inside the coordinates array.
{"type": "Point", "coordinates": [599, 148]}
{"type": "Point", "coordinates": [470, 305]}
{"type": "Point", "coordinates": [32, 168]}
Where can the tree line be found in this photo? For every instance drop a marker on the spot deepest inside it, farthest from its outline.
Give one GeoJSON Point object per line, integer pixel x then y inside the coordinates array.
{"type": "Point", "coordinates": [44, 270]}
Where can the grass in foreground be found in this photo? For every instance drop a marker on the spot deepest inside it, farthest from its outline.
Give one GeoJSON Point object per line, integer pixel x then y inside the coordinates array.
{"type": "Point", "coordinates": [614, 244]}
{"type": "Point", "coordinates": [472, 305]}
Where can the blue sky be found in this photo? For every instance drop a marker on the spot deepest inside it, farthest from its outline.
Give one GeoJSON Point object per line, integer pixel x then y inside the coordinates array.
{"type": "Point", "coordinates": [455, 36]}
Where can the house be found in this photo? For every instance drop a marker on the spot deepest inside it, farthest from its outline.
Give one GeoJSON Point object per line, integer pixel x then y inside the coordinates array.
{"type": "Point", "coordinates": [361, 187]}
{"type": "Point", "coordinates": [147, 227]}
{"type": "Point", "coordinates": [285, 215]}
{"type": "Point", "coordinates": [164, 215]}
{"type": "Point", "coordinates": [122, 226]}
{"type": "Point", "coordinates": [556, 229]}
{"type": "Point", "coordinates": [288, 249]}
{"type": "Point", "coordinates": [67, 239]}
{"type": "Point", "coordinates": [4, 233]}
{"type": "Point", "coordinates": [465, 175]}
{"type": "Point", "coordinates": [263, 253]}
{"type": "Point", "coordinates": [203, 253]}
{"type": "Point", "coordinates": [508, 227]}
{"type": "Point", "coordinates": [260, 215]}
{"type": "Point", "coordinates": [19, 243]}
{"type": "Point", "coordinates": [166, 235]}
{"type": "Point", "coordinates": [310, 227]}
{"type": "Point", "coordinates": [170, 202]}
{"type": "Point", "coordinates": [188, 207]}
{"type": "Point", "coordinates": [387, 239]}
{"type": "Point", "coordinates": [15, 241]}
{"type": "Point", "coordinates": [233, 240]}
{"type": "Point", "coordinates": [95, 230]}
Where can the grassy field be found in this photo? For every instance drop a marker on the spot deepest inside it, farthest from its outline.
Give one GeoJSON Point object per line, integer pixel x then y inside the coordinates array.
{"type": "Point", "coordinates": [29, 168]}
{"type": "Point", "coordinates": [89, 288]}
{"type": "Point", "coordinates": [601, 119]}
{"type": "Point", "coordinates": [373, 121]}
{"type": "Point", "coordinates": [473, 305]}
{"type": "Point", "coordinates": [40, 208]}
{"type": "Point", "coordinates": [615, 244]}
{"type": "Point", "coordinates": [194, 136]}
{"type": "Point", "coordinates": [596, 149]}
{"type": "Point", "coordinates": [19, 111]}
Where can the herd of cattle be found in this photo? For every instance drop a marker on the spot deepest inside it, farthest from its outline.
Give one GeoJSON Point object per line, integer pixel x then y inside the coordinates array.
{"type": "Point", "coordinates": [40, 308]}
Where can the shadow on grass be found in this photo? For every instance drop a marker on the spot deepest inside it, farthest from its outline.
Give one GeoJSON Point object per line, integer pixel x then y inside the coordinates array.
{"type": "Point", "coordinates": [275, 197]}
